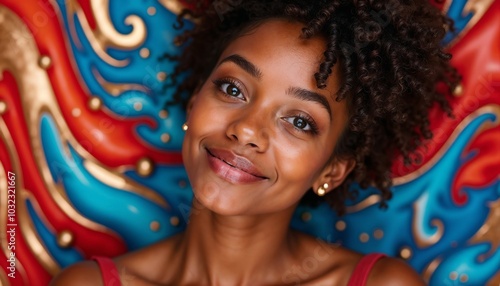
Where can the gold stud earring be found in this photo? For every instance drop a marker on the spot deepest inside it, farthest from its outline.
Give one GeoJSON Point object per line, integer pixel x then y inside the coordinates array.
{"type": "Point", "coordinates": [322, 190]}
{"type": "Point", "coordinates": [184, 127]}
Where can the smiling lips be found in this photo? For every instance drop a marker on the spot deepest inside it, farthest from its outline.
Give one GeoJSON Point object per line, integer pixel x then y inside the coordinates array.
{"type": "Point", "coordinates": [233, 168]}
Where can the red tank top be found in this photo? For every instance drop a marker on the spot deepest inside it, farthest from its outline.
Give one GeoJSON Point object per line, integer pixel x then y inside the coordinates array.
{"type": "Point", "coordinates": [111, 277]}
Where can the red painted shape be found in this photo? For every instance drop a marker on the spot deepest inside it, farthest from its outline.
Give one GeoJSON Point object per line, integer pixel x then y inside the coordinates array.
{"type": "Point", "coordinates": [109, 245]}
{"type": "Point", "coordinates": [483, 168]}
{"type": "Point", "coordinates": [87, 10]}
{"type": "Point", "coordinates": [477, 58]}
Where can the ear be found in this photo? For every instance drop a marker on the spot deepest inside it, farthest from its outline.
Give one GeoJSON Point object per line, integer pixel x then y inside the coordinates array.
{"type": "Point", "coordinates": [334, 173]}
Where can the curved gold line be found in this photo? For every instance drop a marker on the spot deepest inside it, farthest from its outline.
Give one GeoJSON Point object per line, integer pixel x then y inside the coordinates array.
{"type": "Point", "coordinates": [371, 200]}
{"type": "Point", "coordinates": [108, 35]}
{"type": "Point", "coordinates": [72, 8]}
{"type": "Point", "coordinates": [30, 235]}
{"type": "Point", "coordinates": [489, 231]}
{"type": "Point", "coordinates": [490, 108]}
{"type": "Point", "coordinates": [116, 89]}
{"type": "Point", "coordinates": [429, 270]}
{"type": "Point", "coordinates": [114, 180]}
{"type": "Point", "coordinates": [11, 150]}
{"type": "Point", "coordinates": [96, 43]}
{"type": "Point", "coordinates": [478, 7]}
{"type": "Point", "coordinates": [420, 241]}
{"type": "Point", "coordinates": [173, 6]}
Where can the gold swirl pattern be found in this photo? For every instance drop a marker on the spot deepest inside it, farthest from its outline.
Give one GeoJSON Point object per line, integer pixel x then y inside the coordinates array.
{"type": "Point", "coordinates": [419, 209]}
{"type": "Point", "coordinates": [115, 89]}
{"type": "Point", "coordinates": [105, 35]}
{"type": "Point", "coordinates": [371, 200]}
{"type": "Point", "coordinates": [21, 211]}
{"type": "Point", "coordinates": [490, 230]}
{"type": "Point", "coordinates": [37, 98]}
{"type": "Point", "coordinates": [490, 108]}
{"type": "Point", "coordinates": [429, 270]}
{"type": "Point", "coordinates": [477, 7]}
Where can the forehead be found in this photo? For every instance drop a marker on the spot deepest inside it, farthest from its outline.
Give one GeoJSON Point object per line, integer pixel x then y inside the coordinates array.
{"type": "Point", "coordinates": [276, 46]}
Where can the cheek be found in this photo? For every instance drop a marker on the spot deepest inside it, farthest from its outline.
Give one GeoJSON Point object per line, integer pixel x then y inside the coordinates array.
{"type": "Point", "coordinates": [303, 165]}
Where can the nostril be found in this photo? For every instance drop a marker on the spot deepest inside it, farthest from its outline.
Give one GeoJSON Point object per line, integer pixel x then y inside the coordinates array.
{"type": "Point", "coordinates": [234, 137]}
{"type": "Point", "coordinates": [253, 144]}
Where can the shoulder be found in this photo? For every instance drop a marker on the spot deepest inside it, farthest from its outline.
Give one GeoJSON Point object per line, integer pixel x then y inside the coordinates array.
{"type": "Point", "coordinates": [391, 271]}
{"type": "Point", "coordinates": [82, 273]}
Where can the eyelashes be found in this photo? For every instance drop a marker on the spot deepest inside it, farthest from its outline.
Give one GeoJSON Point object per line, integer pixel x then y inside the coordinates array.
{"type": "Point", "coordinates": [232, 89]}
{"type": "Point", "coordinates": [229, 87]}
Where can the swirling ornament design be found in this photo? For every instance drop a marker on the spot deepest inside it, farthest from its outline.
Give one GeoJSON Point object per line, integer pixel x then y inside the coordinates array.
{"type": "Point", "coordinates": [466, 14]}
{"type": "Point", "coordinates": [105, 35]}
{"type": "Point", "coordinates": [22, 61]}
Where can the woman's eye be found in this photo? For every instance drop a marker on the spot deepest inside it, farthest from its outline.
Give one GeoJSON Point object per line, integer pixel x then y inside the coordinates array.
{"type": "Point", "coordinates": [301, 123]}
{"type": "Point", "coordinates": [230, 89]}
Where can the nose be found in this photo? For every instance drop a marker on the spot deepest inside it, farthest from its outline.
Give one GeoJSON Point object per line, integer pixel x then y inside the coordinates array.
{"type": "Point", "coordinates": [249, 129]}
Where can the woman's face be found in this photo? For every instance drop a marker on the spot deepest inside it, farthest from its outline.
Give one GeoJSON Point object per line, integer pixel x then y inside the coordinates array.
{"type": "Point", "coordinates": [260, 132]}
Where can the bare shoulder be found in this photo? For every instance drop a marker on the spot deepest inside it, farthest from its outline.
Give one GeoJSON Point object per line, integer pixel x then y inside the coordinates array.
{"type": "Point", "coordinates": [82, 273]}
{"type": "Point", "coordinates": [391, 271]}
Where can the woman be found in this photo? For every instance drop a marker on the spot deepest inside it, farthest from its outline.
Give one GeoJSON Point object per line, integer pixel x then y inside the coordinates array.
{"type": "Point", "coordinates": [286, 96]}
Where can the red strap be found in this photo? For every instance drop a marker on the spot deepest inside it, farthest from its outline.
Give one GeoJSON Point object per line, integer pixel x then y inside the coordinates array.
{"type": "Point", "coordinates": [110, 275]}
{"type": "Point", "coordinates": [360, 274]}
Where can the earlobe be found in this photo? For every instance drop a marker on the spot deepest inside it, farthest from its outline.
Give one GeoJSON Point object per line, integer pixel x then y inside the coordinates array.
{"type": "Point", "coordinates": [333, 175]}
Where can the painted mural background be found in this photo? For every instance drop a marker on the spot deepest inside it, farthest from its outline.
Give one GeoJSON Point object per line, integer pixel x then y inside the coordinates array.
{"type": "Point", "coordinates": [90, 160]}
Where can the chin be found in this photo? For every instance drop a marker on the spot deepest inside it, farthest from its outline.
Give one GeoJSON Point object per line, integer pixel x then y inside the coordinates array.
{"type": "Point", "coordinates": [215, 199]}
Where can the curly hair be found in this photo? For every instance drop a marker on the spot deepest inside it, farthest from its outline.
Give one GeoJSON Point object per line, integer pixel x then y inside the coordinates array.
{"type": "Point", "coordinates": [391, 61]}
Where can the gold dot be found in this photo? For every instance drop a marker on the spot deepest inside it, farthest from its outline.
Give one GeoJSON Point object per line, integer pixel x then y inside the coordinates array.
{"type": "Point", "coordinates": [405, 253]}
{"type": "Point", "coordinates": [65, 239]}
{"type": "Point", "coordinates": [453, 275]}
{"type": "Point", "coordinates": [76, 112]}
{"type": "Point", "coordinates": [154, 225]}
{"type": "Point", "coordinates": [151, 11]}
{"type": "Point", "coordinates": [459, 90]}
{"type": "Point", "coordinates": [94, 103]}
{"type": "Point", "coordinates": [165, 138]}
{"type": "Point", "coordinates": [306, 216]}
{"type": "Point", "coordinates": [144, 53]}
{"type": "Point", "coordinates": [3, 107]}
{"type": "Point", "coordinates": [340, 225]}
{"type": "Point", "coordinates": [378, 234]}
{"type": "Point", "coordinates": [161, 76]}
{"type": "Point", "coordinates": [364, 237]}
{"type": "Point", "coordinates": [144, 167]}
{"type": "Point", "coordinates": [163, 114]}
{"type": "Point", "coordinates": [174, 221]}
{"type": "Point", "coordinates": [182, 184]}
{"type": "Point", "coordinates": [44, 62]}
{"type": "Point", "coordinates": [464, 278]}
{"type": "Point", "coordinates": [138, 106]}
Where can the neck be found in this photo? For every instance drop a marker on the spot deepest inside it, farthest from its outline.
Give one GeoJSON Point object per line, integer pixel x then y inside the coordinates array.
{"type": "Point", "coordinates": [236, 249]}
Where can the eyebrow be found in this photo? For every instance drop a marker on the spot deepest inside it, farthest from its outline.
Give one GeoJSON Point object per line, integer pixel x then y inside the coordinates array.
{"type": "Point", "coordinates": [308, 95]}
{"type": "Point", "coordinates": [244, 64]}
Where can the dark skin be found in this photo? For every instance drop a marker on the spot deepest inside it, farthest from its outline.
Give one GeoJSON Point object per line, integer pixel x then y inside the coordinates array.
{"type": "Point", "coordinates": [260, 135]}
